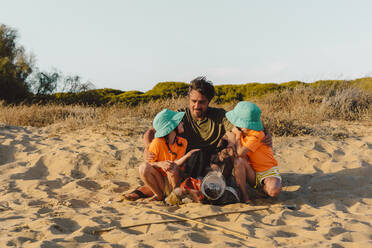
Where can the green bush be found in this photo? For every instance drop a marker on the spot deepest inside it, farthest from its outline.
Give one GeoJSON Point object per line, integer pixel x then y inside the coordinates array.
{"type": "Point", "coordinates": [292, 84]}
{"type": "Point", "coordinates": [169, 89]}
{"type": "Point", "coordinates": [228, 93]}
{"type": "Point", "coordinates": [258, 90]}
{"type": "Point", "coordinates": [363, 83]}
{"type": "Point", "coordinates": [224, 93]}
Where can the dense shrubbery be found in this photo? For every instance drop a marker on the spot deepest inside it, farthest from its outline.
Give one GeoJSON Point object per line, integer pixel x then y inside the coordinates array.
{"type": "Point", "coordinates": [101, 97]}
{"type": "Point", "coordinates": [299, 111]}
{"type": "Point", "coordinates": [169, 89]}
{"type": "Point", "coordinates": [15, 66]}
{"type": "Point", "coordinates": [302, 110]}
{"type": "Point", "coordinates": [363, 83]}
{"type": "Point", "coordinates": [224, 93]}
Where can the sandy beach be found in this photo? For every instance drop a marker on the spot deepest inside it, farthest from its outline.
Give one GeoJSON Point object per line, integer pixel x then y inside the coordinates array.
{"type": "Point", "coordinates": [61, 188]}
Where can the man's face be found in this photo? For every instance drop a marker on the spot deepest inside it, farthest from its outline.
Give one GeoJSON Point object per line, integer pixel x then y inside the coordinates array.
{"type": "Point", "coordinates": [198, 104]}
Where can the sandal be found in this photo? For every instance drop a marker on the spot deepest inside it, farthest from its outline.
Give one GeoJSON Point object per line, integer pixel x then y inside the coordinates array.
{"type": "Point", "coordinates": [137, 195]}
{"type": "Point", "coordinates": [154, 198]}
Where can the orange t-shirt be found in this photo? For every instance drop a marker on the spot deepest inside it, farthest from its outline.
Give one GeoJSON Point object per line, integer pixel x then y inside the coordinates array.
{"type": "Point", "coordinates": [159, 148]}
{"type": "Point", "coordinates": [260, 155]}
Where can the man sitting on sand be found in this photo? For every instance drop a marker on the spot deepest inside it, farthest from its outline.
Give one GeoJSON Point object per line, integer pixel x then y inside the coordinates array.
{"type": "Point", "coordinates": [204, 126]}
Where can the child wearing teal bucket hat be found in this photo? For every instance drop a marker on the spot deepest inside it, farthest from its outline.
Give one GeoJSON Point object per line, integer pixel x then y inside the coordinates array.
{"type": "Point", "coordinates": [255, 162]}
{"type": "Point", "coordinates": [169, 154]}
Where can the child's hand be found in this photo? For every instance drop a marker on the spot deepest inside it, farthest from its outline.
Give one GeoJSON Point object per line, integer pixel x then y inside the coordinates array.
{"type": "Point", "coordinates": [267, 140]}
{"type": "Point", "coordinates": [166, 165]}
{"type": "Point", "coordinates": [231, 138]}
{"type": "Point", "coordinates": [192, 151]}
{"type": "Point", "coordinates": [147, 155]}
{"type": "Point", "coordinates": [236, 131]}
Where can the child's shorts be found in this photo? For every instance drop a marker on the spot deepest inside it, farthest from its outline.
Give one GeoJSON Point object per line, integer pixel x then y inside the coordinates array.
{"type": "Point", "coordinates": [272, 172]}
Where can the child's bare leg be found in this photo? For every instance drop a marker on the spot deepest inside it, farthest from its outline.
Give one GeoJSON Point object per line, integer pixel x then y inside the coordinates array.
{"type": "Point", "coordinates": [173, 178]}
{"type": "Point", "coordinates": [240, 173]}
{"type": "Point", "coordinates": [272, 186]}
{"type": "Point", "coordinates": [251, 174]}
{"type": "Point", "coordinates": [153, 179]}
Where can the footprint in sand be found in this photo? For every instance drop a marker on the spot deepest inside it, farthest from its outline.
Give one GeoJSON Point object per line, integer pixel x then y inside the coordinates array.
{"type": "Point", "coordinates": [6, 154]}
{"type": "Point", "coordinates": [38, 171]}
{"type": "Point", "coordinates": [337, 155]}
{"type": "Point", "coordinates": [323, 151]}
{"type": "Point", "coordinates": [129, 157]}
{"type": "Point", "coordinates": [64, 225]}
{"type": "Point", "coordinates": [88, 184]}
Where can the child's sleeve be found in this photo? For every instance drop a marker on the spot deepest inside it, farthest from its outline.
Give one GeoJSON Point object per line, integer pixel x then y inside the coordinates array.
{"type": "Point", "coordinates": [252, 142]}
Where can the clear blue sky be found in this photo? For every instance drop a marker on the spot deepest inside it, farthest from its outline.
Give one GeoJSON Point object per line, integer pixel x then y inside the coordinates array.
{"type": "Point", "coordinates": [134, 44]}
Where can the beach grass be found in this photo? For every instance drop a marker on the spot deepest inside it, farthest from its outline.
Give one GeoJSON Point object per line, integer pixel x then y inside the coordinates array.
{"type": "Point", "coordinates": [291, 112]}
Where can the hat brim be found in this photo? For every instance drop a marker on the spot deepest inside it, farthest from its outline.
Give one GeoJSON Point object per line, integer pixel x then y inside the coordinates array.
{"type": "Point", "coordinates": [240, 122]}
{"type": "Point", "coordinates": [173, 123]}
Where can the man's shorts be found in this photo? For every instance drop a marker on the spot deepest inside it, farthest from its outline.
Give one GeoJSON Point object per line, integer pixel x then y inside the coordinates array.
{"type": "Point", "coordinates": [272, 172]}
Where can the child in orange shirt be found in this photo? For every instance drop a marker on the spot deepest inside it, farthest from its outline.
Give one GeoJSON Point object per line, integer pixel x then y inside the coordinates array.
{"type": "Point", "coordinates": [161, 174]}
{"type": "Point", "coordinates": [255, 162]}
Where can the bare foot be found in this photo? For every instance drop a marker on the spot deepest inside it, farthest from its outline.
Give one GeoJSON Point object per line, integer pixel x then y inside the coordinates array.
{"type": "Point", "coordinates": [246, 199]}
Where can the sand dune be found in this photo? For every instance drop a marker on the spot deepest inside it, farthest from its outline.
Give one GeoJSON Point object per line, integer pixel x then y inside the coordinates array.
{"type": "Point", "coordinates": [60, 188]}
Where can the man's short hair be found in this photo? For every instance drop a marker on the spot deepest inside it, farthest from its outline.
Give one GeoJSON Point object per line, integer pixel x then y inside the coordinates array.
{"type": "Point", "coordinates": [203, 86]}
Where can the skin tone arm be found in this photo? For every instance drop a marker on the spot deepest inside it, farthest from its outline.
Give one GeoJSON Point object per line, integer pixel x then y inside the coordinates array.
{"type": "Point", "coordinates": [179, 162]}
{"type": "Point", "coordinates": [234, 141]}
{"type": "Point", "coordinates": [147, 138]}
{"type": "Point", "coordinates": [267, 140]}
{"type": "Point", "coordinates": [168, 165]}
{"type": "Point", "coordinates": [165, 165]}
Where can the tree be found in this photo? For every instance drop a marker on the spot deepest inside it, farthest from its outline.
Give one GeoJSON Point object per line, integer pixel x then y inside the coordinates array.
{"type": "Point", "coordinates": [15, 66]}
{"type": "Point", "coordinates": [44, 82]}
{"type": "Point", "coordinates": [73, 84]}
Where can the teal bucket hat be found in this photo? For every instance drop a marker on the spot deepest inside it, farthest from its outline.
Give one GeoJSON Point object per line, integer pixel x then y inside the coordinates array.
{"type": "Point", "coordinates": [246, 115]}
{"type": "Point", "coordinates": [166, 121]}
